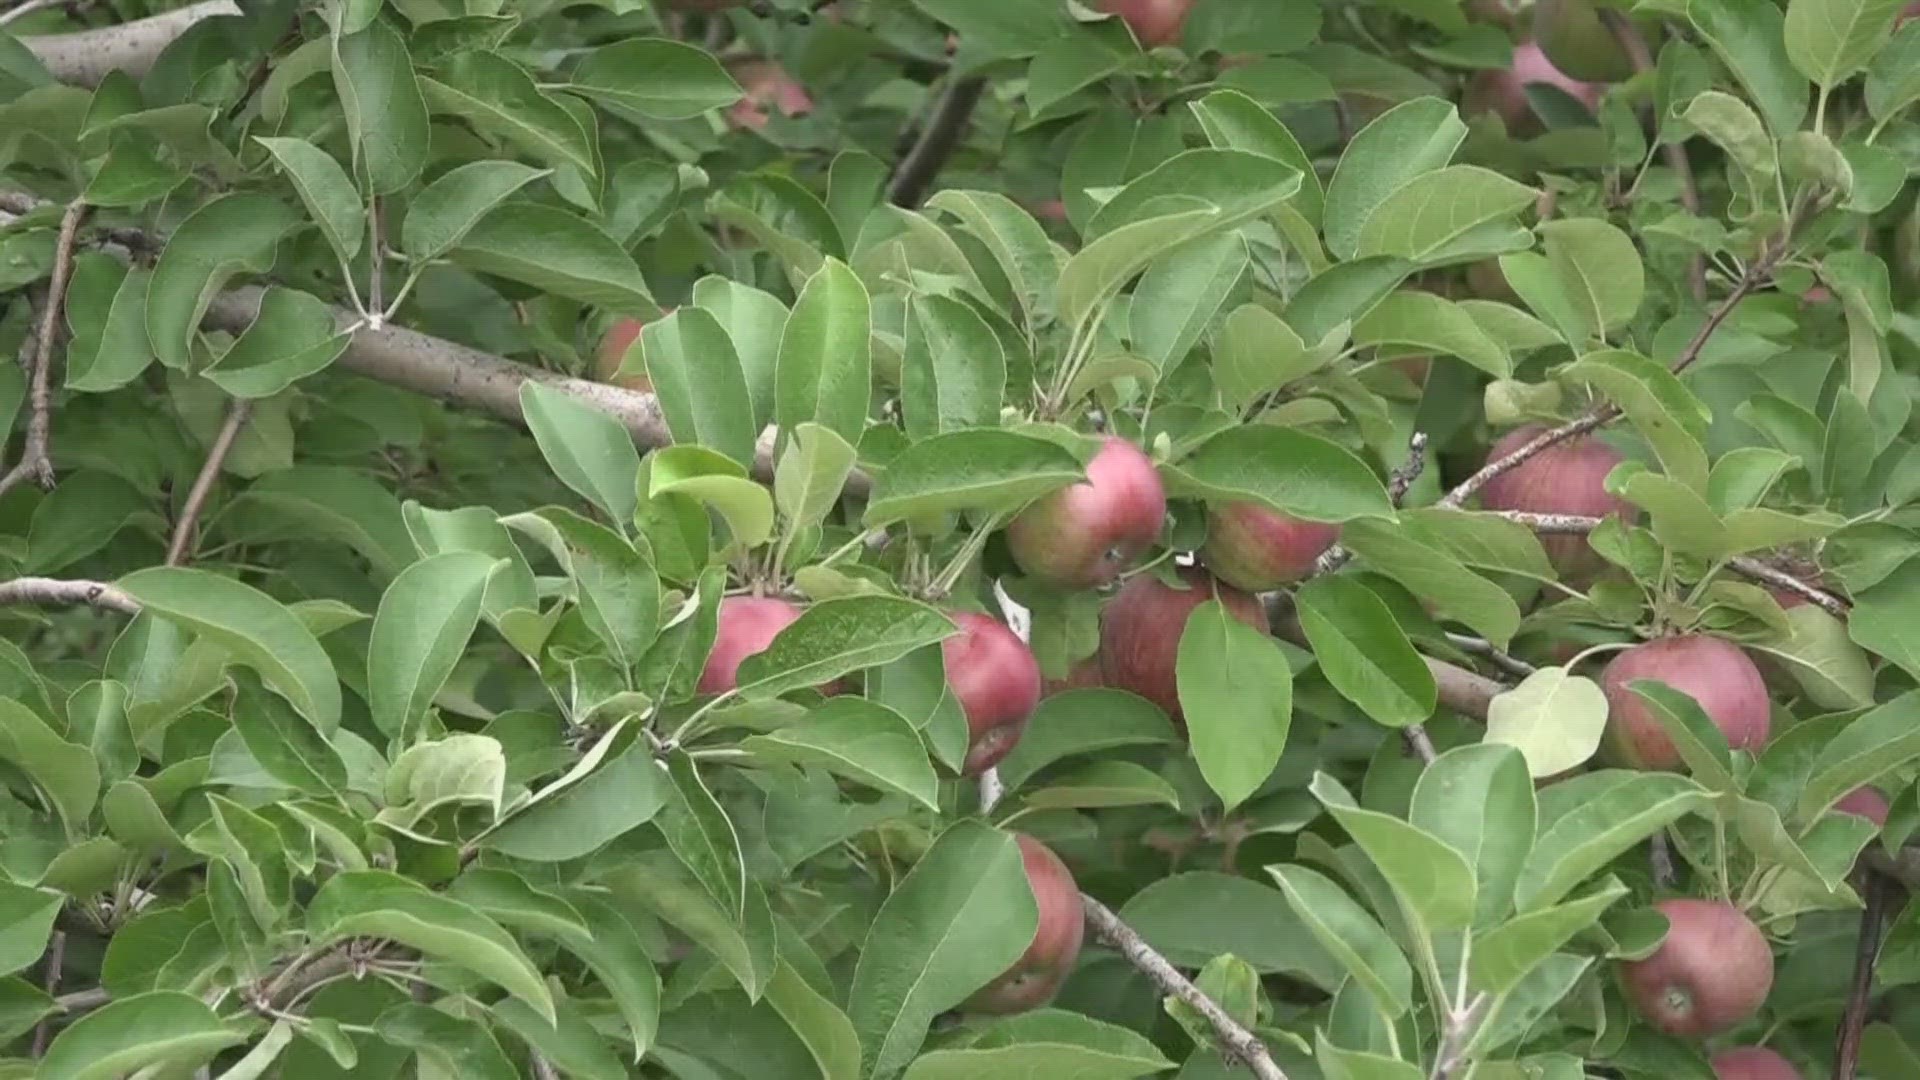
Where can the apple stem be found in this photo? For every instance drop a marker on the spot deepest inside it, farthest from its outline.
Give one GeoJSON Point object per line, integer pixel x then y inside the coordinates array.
{"type": "Point", "coordinates": [1234, 1038]}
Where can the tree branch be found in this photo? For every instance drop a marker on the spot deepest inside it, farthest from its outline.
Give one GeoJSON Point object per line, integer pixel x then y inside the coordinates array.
{"type": "Point", "coordinates": [52, 591]}
{"type": "Point", "coordinates": [1234, 1039]}
{"type": "Point", "coordinates": [1457, 498]}
{"type": "Point", "coordinates": [183, 530]}
{"type": "Point", "coordinates": [19, 11]}
{"type": "Point", "coordinates": [1399, 481]}
{"type": "Point", "coordinates": [938, 138]}
{"type": "Point", "coordinates": [87, 57]}
{"type": "Point", "coordinates": [1873, 920]}
{"type": "Point", "coordinates": [34, 461]}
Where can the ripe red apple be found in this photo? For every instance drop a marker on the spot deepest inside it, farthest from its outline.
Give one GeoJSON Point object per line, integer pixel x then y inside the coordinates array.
{"type": "Point", "coordinates": [1033, 979]}
{"type": "Point", "coordinates": [1565, 478]}
{"type": "Point", "coordinates": [997, 681]}
{"type": "Point", "coordinates": [767, 85]}
{"type": "Point", "coordinates": [1084, 535]}
{"type": "Point", "coordinates": [1713, 671]}
{"type": "Point", "coordinates": [1504, 92]}
{"type": "Point", "coordinates": [747, 625]}
{"type": "Point", "coordinates": [1140, 633]}
{"type": "Point", "coordinates": [1253, 548]}
{"type": "Point", "coordinates": [1867, 803]}
{"type": "Point", "coordinates": [613, 348]}
{"type": "Point", "coordinates": [1713, 970]}
{"type": "Point", "coordinates": [1752, 1063]}
{"type": "Point", "coordinates": [1153, 22]}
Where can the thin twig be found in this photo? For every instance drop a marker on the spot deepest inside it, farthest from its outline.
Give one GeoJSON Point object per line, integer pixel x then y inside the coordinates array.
{"type": "Point", "coordinates": [20, 11]}
{"type": "Point", "coordinates": [1485, 649]}
{"type": "Point", "coordinates": [56, 955]}
{"type": "Point", "coordinates": [1399, 482]}
{"type": "Point", "coordinates": [1846, 1053]}
{"type": "Point", "coordinates": [1234, 1039]}
{"type": "Point", "coordinates": [937, 141]}
{"type": "Point", "coordinates": [1573, 429]}
{"type": "Point", "coordinates": [1660, 854]}
{"type": "Point", "coordinates": [183, 530]}
{"type": "Point", "coordinates": [376, 265]}
{"type": "Point", "coordinates": [1635, 46]}
{"type": "Point", "coordinates": [542, 1070]}
{"type": "Point", "coordinates": [1420, 743]}
{"type": "Point", "coordinates": [50, 591]}
{"type": "Point", "coordinates": [34, 460]}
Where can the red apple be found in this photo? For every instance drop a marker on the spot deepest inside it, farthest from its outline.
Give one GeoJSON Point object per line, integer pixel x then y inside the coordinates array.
{"type": "Point", "coordinates": [767, 84]}
{"type": "Point", "coordinates": [613, 349]}
{"type": "Point", "coordinates": [1084, 535]}
{"type": "Point", "coordinates": [1140, 633]}
{"type": "Point", "coordinates": [1153, 22]}
{"type": "Point", "coordinates": [997, 681]}
{"type": "Point", "coordinates": [1712, 671]}
{"type": "Point", "coordinates": [1565, 478]}
{"type": "Point", "coordinates": [1033, 979]}
{"type": "Point", "coordinates": [1867, 803]}
{"type": "Point", "coordinates": [1504, 92]}
{"type": "Point", "coordinates": [746, 625]}
{"type": "Point", "coordinates": [1752, 1063]}
{"type": "Point", "coordinates": [1253, 548]}
{"type": "Point", "coordinates": [1713, 970]}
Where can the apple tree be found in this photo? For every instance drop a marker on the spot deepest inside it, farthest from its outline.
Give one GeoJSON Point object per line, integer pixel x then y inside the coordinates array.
{"type": "Point", "coordinates": [959, 539]}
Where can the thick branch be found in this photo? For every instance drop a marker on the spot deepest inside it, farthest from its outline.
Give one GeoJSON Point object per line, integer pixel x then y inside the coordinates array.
{"type": "Point", "coordinates": [87, 57]}
{"type": "Point", "coordinates": [183, 530]}
{"type": "Point", "coordinates": [938, 139]}
{"type": "Point", "coordinates": [51, 591]}
{"type": "Point", "coordinates": [34, 460]}
{"type": "Point", "coordinates": [1853, 1022]}
{"type": "Point", "coordinates": [1234, 1039]}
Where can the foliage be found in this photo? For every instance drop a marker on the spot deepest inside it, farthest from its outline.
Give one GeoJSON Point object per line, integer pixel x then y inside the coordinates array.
{"type": "Point", "coordinates": [348, 729]}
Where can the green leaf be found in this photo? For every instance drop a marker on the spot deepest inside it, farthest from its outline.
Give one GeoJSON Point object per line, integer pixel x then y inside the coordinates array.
{"type": "Point", "coordinates": [1432, 882]}
{"type": "Point", "coordinates": [1410, 139]}
{"type": "Point", "coordinates": [859, 739]}
{"type": "Point", "coordinates": [1364, 653]}
{"type": "Point", "coordinates": [26, 923]}
{"type": "Point", "coordinates": [1283, 469]}
{"type": "Point", "coordinates": [1893, 78]}
{"type": "Point", "coordinates": [1554, 718]}
{"type": "Point", "coordinates": [455, 1045]}
{"type": "Point", "coordinates": [1433, 323]}
{"type": "Point", "coordinates": [825, 368]}
{"type": "Point", "coordinates": [700, 382]}
{"type": "Point", "coordinates": [1181, 293]}
{"type": "Point", "coordinates": [329, 195]}
{"type": "Point", "coordinates": [657, 78]}
{"type": "Point", "coordinates": [1879, 742]}
{"type": "Point", "coordinates": [984, 468]}
{"type": "Point", "coordinates": [953, 371]}
{"type": "Point", "coordinates": [1815, 650]}
{"type": "Point", "coordinates": [745, 947]}
{"type": "Point", "coordinates": [109, 347]}
{"type": "Point", "coordinates": [341, 503]}
{"type": "Point", "coordinates": [589, 806]}
{"type": "Point", "coordinates": [1093, 274]}
{"type": "Point", "coordinates": [1236, 690]}
{"type": "Point", "coordinates": [573, 1046]}
{"type": "Point", "coordinates": [462, 769]}
{"type": "Point", "coordinates": [1233, 120]}
{"type": "Point", "coordinates": [1256, 352]}
{"type": "Point", "coordinates": [1345, 930]}
{"type": "Point", "coordinates": [812, 473]}
{"type": "Point", "coordinates": [1829, 41]}
{"type": "Point", "coordinates": [1880, 623]}
{"type": "Point", "coordinates": [446, 210]}
{"type": "Point", "coordinates": [701, 835]}
{"type": "Point", "coordinates": [836, 637]}
{"type": "Point", "coordinates": [385, 112]}
{"type": "Point", "coordinates": [613, 951]}
{"type": "Point", "coordinates": [1427, 217]}
{"type": "Point", "coordinates": [374, 903]}
{"type": "Point", "coordinates": [80, 517]}
{"type": "Point", "coordinates": [507, 898]}
{"type": "Point", "coordinates": [1698, 740]}
{"type": "Point", "coordinates": [1104, 783]}
{"type": "Point", "coordinates": [1047, 1042]}
{"type": "Point", "coordinates": [230, 235]}
{"type": "Point", "coordinates": [754, 321]}
{"type": "Point", "coordinates": [959, 919]}
{"type": "Point", "coordinates": [499, 97]}
{"type": "Point", "coordinates": [556, 252]}
{"type": "Point", "coordinates": [1239, 185]}
{"type": "Point", "coordinates": [1082, 722]}
{"type": "Point", "coordinates": [425, 620]}
{"type": "Point", "coordinates": [1660, 408]}
{"type": "Point", "coordinates": [477, 529]}
{"type": "Point", "coordinates": [1599, 267]}
{"type": "Point", "coordinates": [250, 625]}
{"type": "Point", "coordinates": [718, 482]}
{"type": "Point", "coordinates": [129, 1034]}
{"type": "Point", "coordinates": [1504, 955]}
{"type": "Point", "coordinates": [1478, 799]}
{"type": "Point", "coordinates": [1588, 821]}
{"type": "Point", "coordinates": [283, 742]}
{"type": "Point", "coordinates": [587, 449]}
{"type": "Point", "coordinates": [293, 336]}
{"type": "Point", "coordinates": [1750, 37]}
{"type": "Point", "coordinates": [1014, 239]}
